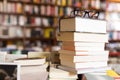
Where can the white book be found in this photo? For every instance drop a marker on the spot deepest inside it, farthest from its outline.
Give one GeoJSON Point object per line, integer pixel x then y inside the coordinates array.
{"type": "Point", "coordinates": [83, 48]}
{"type": "Point", "coordinates": [83, 37]}
{"type": "Point", "coordinates": [3, 56]}
{"type": "Point", "coordinates": [39, 54]}
{"type": "Point", "coordinates": [59, 73]}
{"type": "Point", "coordinates": [12, 57]}
{"type": "Point", "coordinates": [84, 64]}
{"type": "Point", "coordinates": [84, 53]}
{"type": "Point", "coordinates": [77, 43]}
{"type": "Point", "coordinates": [83, 58]}
{"type": "Point", "coordinates": [102, 76]}
{"type": "Point", "coordinates": [83, 25]}
{"type": "Point", "coordinates": [30, 61]}
{"type": "Point", "coordinates": [84, 70]}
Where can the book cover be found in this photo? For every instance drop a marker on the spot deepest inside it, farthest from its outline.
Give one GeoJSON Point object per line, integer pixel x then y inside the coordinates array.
{"type": "Point", "coordinates": [84, 37]}
{"type": "Point", "coordinates": [83, 25]}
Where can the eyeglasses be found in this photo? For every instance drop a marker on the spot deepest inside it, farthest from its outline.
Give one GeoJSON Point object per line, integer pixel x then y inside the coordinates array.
{"type": "Point", "coordinates": [85, 13]}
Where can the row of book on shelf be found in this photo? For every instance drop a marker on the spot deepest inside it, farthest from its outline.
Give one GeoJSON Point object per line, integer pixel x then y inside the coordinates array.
{"type": "Point", "coordinates": [22, 66]}
{"type": "Point", "coordinates": [50, 9]}
{"type": "Point", "coordinates": [27, 20]}
{"type": "Point", "coordinates": [83, 46]}
{"type": "Point", "coordinates": [77, 3]}
{"type": "Point", "coordinates": [18, 32]}
{"type": "Point", "coordinates": [54, 2]}
{"type": "Point", "coordinates": [35, 9]}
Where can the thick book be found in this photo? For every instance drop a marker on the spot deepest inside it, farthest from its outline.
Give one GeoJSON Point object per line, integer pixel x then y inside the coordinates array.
{"type": "Point", "coordinates": [38, 72]}
{"type": "Point", "coordinates": [77, 43]}
{"type": "Point", "coordinates": [61, 74]}
{"type": "Point", "coordinates": [83, 25]}
{"type": "Point", "coordinates": [3, 56]}
{"type": "Point", "coordinates": [84, 64]}
{"type": "Point", "coordinates": [83, 48]}
{"type": "Point", "coordinates": [84, 70]}
{"type": "Point", "coordinates": [64, 57]}
{"type": "Point", "coordinates": [30, 61]}
{"type": "Point", "coordinates": [84, 53]}
{"type": "Point", "coordinates": [108, 75]}
{"type": "Point", "coordinates": [9, 71]}
{"type": "Point", "coordinates": [113, 74]}
{"type": "Point", "coordinates": [84, 37]}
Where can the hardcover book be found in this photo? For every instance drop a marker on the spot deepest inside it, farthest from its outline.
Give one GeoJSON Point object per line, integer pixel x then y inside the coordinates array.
{"type": "Point", "coordinates": [84, 64]}
{"type": "Point", "coordinates": [84, 53]}
{"type": "Point", "coordinates": [30, 61]}
{"type": "Point", "coordinates": [77, 43]}
{"type": "Point", "coordinates": [76, 59]}
{"type": "Point", "coordinates": [83, 25]}
{"type": "Point", "coordinates": [83, 70]}
{"type": "Point", "coordinates": [83, 48]}
{"type": "Point", "coordinates": [84, 37]}
{"type": "Point", "coordinates": [11, 71]}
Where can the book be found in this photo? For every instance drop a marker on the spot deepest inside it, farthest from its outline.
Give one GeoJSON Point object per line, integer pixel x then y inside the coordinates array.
{"type": "Point", "coordinates": [84, 53]}
{"type": "Point", "coordinates": [83, 48]}
{"type": "Point", "coordinates": [3, 56]}
{"type": "Point", "coordinates": [38, 72]}
{"type": "Point", "coordinates": [113, 74]}
{"type": "Point", "coordinates": [108, 75]}
{"type": "Point", "coordinates": [83, 25]}
{"type": "Point", "coordinates": [77, 43]}
{"type": "Point", "coordinates": [30, 61]}
{"type": "Point", "coordinates": [61, 74]}
{"type": "Point", "coordinates": [12, 57]}
{"type": "Point", "coordinates": [84, 64]}
{"type": "Point", "coordinates": [84, 37]}
{"type": "Point", "coordinates": [76, 59]}
{"type": "Point", "coordinates": [83, 70]}
{"type": "Point", "coordinates": [11, 71]}
{"type": "Point", "coordinates": [34, 54]}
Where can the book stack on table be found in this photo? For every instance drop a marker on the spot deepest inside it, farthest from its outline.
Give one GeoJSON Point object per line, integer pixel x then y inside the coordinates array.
{"type": "Point", "coordinates": [83, 45]}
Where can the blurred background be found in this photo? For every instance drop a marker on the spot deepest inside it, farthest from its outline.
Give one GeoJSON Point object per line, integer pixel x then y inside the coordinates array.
{"type": "Point", "coordinates": [31, 25]}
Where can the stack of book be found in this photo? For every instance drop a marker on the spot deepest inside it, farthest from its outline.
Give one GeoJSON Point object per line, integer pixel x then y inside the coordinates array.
{"type": "Point", "coordinates": [83, 43]}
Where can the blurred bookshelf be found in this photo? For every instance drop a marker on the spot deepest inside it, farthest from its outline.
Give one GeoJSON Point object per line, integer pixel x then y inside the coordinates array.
{"type": "Point", "coordinates": [113, 20]}
{"type": "Point", "coordinates": [33, 22]}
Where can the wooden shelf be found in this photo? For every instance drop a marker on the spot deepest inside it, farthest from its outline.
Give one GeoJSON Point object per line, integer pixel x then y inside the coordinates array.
{"type": "Point", "coordinates": [10, 13]}
{"type": "Point", "coordinates": [29, 26]}
{"type": "Point", "coordinates": [11, 39]}
{"type": "Point", "coordinates": [39, 38]}
{"type": "Point", "coordinates": [31, 38]}
{"type": "Point", "coordinates": [43, 27]}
